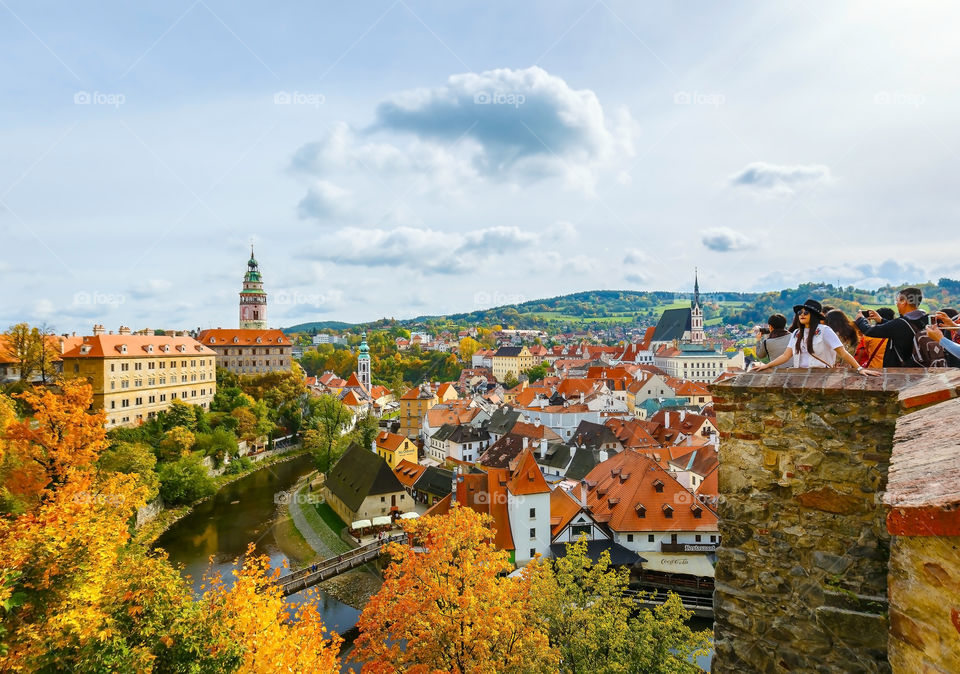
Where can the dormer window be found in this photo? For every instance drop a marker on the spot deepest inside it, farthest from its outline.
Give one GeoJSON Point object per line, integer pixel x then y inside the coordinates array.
{"type": "Point", "coordinates": [181, 348]}
{"type": "Point", "coordinates": [213, 340]}
{"type": "Point", "coordinates": [236, 340]}
{"type": "Point", "coordinates": [149, 348]}
{"type": "Point", "coordinates": [667, 511]}
{"type": "Point", "coordinates": [658, 485]}
{"type": "Point", "coordinates": [641, 510]}
{"type": "Point", "coordinates": [166, 348]}
{"type": "Point", "coordinates": [123, 348]}
{"type": "Point", "coordinates": [696, 510]}
{"type": "Point", "coordinates": [85, 348]}
{"type": "Point", "coordinates": [259, 340]}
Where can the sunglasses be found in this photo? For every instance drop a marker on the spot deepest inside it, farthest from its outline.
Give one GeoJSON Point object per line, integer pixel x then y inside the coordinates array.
{"type": "Point", "coordinates": [802, 312]}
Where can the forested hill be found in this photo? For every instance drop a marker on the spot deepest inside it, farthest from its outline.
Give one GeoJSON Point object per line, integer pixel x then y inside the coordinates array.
{"type": "Point", "coordinates": [598, 307]}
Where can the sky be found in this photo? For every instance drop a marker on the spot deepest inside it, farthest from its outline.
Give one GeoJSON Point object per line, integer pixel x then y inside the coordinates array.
{"type": "Point", "coordinates": [398, 158]}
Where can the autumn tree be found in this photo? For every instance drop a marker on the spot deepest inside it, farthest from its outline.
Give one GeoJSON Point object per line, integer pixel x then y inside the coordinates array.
{"type": "Point", "coordinates": [27, 348]}
{"type": "Point", "coordinates": [588, 618]}
{"type": "Point", "coordinates": [275, 635]}
{"type": "Point", "coordinates": [446, 606]}
{"type": "Point", "coordinates": [185, 480]}
{"type": "Point", "coordinates": [132, 458]}
{"type": "Point", "coordinates": [58, 435]}
{"type": "Point", "coordinates": [175, 442]}
{"type": "Point", "coordinates": [468, 347]}
{"type": "Point", "coordinates": [330, 418]}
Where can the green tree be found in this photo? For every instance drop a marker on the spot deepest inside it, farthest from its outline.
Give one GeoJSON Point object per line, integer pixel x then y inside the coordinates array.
{"type": "Point", "coordinates": [588, 619]}
{"type": "Point", "coordinates": [185, 480]}
{"type": "Point", "coordinates": [537, 372]}
{"type": "Point", "coordinates": [330, 418]}
{"type": "Point", "coordinates": [175, 442]}
{"type": "Point", "coordinates": [217, 444]}
{"type": "Point", "coordinates": [180, 414]}
{"type": "Point", "coordinates": [132, 458]}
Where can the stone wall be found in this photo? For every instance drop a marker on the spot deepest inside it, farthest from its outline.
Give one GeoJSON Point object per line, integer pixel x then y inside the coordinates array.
{"type": "Point", "coordinates": [801, 575]}
{"type": "Point", "coordinates": [924, 582]}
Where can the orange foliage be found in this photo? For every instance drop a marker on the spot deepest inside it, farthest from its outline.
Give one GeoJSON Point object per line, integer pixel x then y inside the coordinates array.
{"type": "Point", "coordinates": [445, 607]}
{"type": "Point", "coordinates": [63, 558]}
{"type": "Point", "coordinates": [254, 615]}
{"type": "Point", "coordinates": [60, 436]}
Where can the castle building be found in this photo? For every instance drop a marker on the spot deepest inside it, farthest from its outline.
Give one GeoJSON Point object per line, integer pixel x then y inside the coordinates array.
{"type": "Point", "coordinates": [136, 376]}
{"type": "Point", "coordinates": [253, 299]}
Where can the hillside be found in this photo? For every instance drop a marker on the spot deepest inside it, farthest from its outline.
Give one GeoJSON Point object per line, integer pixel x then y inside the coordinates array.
{"type": "Point", "coordinates": [599, 308]}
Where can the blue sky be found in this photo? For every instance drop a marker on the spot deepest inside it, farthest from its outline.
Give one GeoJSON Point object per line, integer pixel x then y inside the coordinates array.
{"type": "Point", "coordinates": [398, 158]}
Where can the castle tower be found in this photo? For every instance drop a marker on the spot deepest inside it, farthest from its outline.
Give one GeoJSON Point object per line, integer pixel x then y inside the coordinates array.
{"type": "Point", "coordinates": [253, 300]}
{"type": "Point", "coordinates": [696, 313]}
{"type": "Point", "coordinates": [363, 363]}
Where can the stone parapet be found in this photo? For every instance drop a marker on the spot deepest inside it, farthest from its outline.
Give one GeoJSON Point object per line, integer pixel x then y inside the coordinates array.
{"type": "Point", "coordinates": [923, 494]}
{"type": "Point", "coordinates": [801, 575]}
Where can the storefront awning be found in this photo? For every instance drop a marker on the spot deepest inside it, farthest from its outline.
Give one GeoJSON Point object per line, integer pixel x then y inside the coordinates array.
{"type": "Point", "coordinates": [382, 521]}
{"type": "Point", "coordinates": [689, 564]}
{"type": "Point", "coordinates": [360, 524]}
{"type": "Point", "coordinates": [410, 515]}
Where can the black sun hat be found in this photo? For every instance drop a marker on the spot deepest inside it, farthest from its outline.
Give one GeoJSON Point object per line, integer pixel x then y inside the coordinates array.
{"type": "Point", "coordinates": [812, 306]}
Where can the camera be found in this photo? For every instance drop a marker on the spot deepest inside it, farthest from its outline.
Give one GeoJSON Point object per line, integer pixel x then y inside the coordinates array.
{"type": "Point", "coordinates": [932, 320]}
{"type": "Point", "coordinates": [763, 329]}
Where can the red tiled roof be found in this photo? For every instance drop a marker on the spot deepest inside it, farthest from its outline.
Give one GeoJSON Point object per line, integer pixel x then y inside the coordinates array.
{"type": "Point", "coordinates": [527, 477]}
{"type": "Point", "coordinates": [563, 508]}
{"type": "Point", "coordinates": [242, 336]}
{"type": "Point", "coordinates": [408, 473]}
{"type": "Point", "coordinates": [389, 440]}
{"type": "Point", "coordinates": [624, 485]}
{"type": "Point", "coordinates": [631, 433]}
{"type": "Point", "coordinates": [137, 346]}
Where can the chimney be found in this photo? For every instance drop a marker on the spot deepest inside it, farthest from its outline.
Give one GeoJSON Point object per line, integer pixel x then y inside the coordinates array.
{"type": "Point", "coordinates": [124, 330]}
{"type": "Point", "coordinates": [526, 441]}
{"type": "Point", "coordinates": [583, 493]}
{"type": "Point", "coordinates": [543, 449]}
{"type": "Point", "coordinates": [581, 397]}
{"type": "Point", "coordinates": [98, 330]}
{"type": "Point", "coordinates": [602, 455]}
{"type": "Point", "coordinates": [453, 486]}
{"type": "Point", "coordinates": [666, 419]}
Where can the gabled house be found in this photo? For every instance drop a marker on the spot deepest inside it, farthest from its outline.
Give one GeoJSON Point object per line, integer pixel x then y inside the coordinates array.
{"type": "Point", "coordinates": [362, 486]}
{"type": "Point", "coordinates": [395, 448]}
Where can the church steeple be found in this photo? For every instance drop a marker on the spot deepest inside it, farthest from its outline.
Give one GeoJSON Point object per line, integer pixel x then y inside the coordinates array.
{"type": "Point", "coordinates": [696, 312]}
{"type": "Point", "coordinates": [253, 299]}
{"type": "Point", "coordinates": [363, 363]}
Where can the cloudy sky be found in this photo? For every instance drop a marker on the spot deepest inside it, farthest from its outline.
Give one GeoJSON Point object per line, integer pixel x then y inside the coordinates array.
{"type": "Point", "coordinates": [397, 158]}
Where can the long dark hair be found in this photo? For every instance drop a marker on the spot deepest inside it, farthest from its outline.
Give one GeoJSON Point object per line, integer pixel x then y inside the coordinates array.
{"type": "Point", "coordinates": [843, 326]}
{"type": "Point", "coordinates": [814, 322]}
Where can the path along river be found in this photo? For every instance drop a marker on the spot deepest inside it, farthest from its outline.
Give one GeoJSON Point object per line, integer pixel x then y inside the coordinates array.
{"type": "Point", "coordinates": [243, 512]}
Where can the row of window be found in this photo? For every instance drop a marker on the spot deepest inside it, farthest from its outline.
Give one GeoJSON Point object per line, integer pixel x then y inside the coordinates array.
{"type": "Point", "coordinates": [153, 399]}
{"type": "Point", "coordinates": [158, 365]}
{"type": "Point", "coordinates": [652, 538]}
{"type": "Point", "coordinates": [252, 363]}
{"type": "Point", "coordinates": [139, 417]}
{"type": "Point", "coordinates": [153, 381]}
{"type": "Point", "coordinates": [252, 351]}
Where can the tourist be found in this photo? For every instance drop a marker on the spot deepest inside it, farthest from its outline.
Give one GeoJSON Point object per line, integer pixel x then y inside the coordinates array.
{"type": "Point", "coordinates": [814, 344]}
{"type": "Point", "coordinates": [949, 345]}
{"type": "Point", "coordinates": [844, 327]}
{"type": "Point", "coordinates": [776, 341]}
{"type": "Point", "coordinates": [900, 332]}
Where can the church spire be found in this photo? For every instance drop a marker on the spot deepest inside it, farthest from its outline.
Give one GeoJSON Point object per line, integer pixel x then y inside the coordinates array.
{"type": "Point", "coordinates": [696, 289]}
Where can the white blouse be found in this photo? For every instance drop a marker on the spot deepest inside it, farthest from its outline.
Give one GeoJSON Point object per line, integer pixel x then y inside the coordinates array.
{"type": "Point", "coordinates": [825, 343]}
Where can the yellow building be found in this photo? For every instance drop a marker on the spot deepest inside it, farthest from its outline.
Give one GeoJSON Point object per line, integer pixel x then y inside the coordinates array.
{"type": "Point", "coordinates": [136, 376]}
{"type": "Point", "coordinates": [413, 405]}
{"type": "Point", "coordinates": [513, 360]}
{"type": "Point", "coordinates": [395, 448]}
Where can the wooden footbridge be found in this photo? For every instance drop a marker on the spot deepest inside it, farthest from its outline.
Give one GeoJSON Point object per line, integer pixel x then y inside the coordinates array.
{"type": "Point", "coordinates": [700, 605]}
{"type": "Point", "coordinates": [334, 566]}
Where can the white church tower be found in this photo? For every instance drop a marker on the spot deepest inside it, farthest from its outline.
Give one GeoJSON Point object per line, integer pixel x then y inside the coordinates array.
{"type": "Point", "coordinates": [696, 313]}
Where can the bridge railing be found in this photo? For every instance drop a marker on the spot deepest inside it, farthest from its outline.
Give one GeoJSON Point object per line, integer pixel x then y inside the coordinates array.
{"type": "Point", "coordinates": [336, 565]}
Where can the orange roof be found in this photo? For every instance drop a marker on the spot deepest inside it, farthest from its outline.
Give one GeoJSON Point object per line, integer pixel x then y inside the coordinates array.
{"type": "Point", "coordinates": [408, 472]}
{"type": "Point", "coordinates": [563, 508]}
{"type": "Point", "coordinates": [671, 419]}
{"type": "Point", "coordinates": [379, 391]}
{"type": "Point", "coordinates": [354, 382]}
{"type": "Point", "coordinates": [571, 387]}
{"type": "Point", "coordinates": [445, 387]}
{"type": "Point", "coordinates": [351, 399]}
{"type": "Point", "coordinates": [710, 485]}
{"type": "Point", "coordinates": [527, 477]}
{"type": "Point", "coordinates": [438, 415]}
{"type": "Point", "coordinates": [691, 388]}
{"type": "Point", "coordinates": [221, 337]}
{"type": "Point", "coordinates": [484, 493]}
{"type": "Point", "coordinates": [137, 346]}
{"type": "Point", "coordinates": [534, 431]}
{"type": "Point", "coordinates": [631, 433]}
{"type": "Point", "coordinates": [390, 441]}
{"type": "Point", "coordinates": [611, 372]}
{"type": "Point", "coordinates": [625, 485]}
{"type": "Point", "coordinates": [529, 394]}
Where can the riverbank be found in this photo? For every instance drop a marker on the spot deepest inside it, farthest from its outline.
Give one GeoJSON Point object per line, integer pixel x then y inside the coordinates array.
{"type": "Point", "coordinates": [152, 530]}
{"type": "Point", "coordinates": [353, 588]}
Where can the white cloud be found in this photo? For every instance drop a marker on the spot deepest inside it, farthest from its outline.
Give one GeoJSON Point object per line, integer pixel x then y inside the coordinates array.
{"type": "Point", "coordinates": [427, 250]}
{"type": "Point", "coordinates": [325, 201]}
{"type": "Point", "coordinates": [777, 180]}
{"type": "Point", "coordinates": [725, 240]}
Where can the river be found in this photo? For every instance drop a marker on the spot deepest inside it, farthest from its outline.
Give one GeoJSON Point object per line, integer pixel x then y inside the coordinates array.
{"type": "Point", "coordinates": [243, 512]}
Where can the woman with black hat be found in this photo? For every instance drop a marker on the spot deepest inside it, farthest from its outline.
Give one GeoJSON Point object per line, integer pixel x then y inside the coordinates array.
{"type": "Point", "coordinates": [814, 344]}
